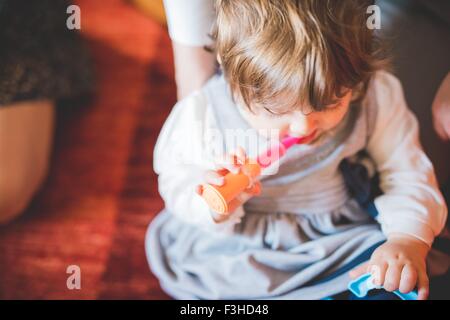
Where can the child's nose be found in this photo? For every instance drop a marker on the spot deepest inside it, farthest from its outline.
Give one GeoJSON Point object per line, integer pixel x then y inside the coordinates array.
{"type": "Point", "coordinates": [303, 124]}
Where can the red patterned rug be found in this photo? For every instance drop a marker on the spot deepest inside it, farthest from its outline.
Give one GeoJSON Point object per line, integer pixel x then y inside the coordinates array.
{"type": "Point", "coordinates": [101, 193]}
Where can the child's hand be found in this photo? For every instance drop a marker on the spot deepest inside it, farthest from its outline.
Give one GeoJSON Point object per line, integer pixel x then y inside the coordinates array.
{"type": "Point", "coordinates": [230, 163]}
{"type": "Point", "coordinates": [398, 264]}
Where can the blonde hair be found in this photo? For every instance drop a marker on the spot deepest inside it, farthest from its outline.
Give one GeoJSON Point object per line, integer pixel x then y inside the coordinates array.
{"type": "Point", "coordinates": [306, 52]}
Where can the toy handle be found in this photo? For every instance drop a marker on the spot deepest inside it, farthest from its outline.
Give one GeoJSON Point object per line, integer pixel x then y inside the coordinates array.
{"type": "Point", "coordinates": [361, 286]}
{"type": "Point", "coordinates": [219, 197]}
{"type": "Point", "coordinates": [413, 295]}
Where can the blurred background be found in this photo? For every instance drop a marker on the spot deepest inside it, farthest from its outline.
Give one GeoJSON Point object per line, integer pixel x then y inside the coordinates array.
{"type": "Point", "coordinates": [101, 192]}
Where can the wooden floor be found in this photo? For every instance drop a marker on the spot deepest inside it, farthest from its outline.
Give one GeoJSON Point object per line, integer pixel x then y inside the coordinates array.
{"type": "Point", "coordinates": [101, 193]}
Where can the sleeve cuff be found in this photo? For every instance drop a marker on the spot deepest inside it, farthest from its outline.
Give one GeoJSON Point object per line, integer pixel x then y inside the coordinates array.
{"type": "Point", "coordinates": [190, 22]}
{"type": "Point", "coordinates": [412, 227]}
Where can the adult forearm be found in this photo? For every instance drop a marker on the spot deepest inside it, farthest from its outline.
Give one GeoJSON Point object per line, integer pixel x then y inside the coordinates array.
{"type": "Point", "coordinates": [193, 67]}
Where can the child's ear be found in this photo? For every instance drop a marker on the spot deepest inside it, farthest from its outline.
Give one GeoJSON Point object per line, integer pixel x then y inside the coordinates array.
{"type": "Point", "coordinates": [218, 59]}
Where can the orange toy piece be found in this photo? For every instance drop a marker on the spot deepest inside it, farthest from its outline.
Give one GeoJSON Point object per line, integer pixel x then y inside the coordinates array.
{"type": "Point", "coordinates": [219, 197]}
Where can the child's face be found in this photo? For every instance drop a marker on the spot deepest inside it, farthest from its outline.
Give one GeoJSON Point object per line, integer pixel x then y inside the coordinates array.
{"type": "Point", "coordinates": [296, 123]}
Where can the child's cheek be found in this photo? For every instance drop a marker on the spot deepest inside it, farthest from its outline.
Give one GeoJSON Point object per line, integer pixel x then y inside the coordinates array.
{"type": "Point", "coordinates": [273, 122]}
{"type": "Point", "coordinates": [332, 119]}
{"type": "Point", "coordinates": [269, 126]}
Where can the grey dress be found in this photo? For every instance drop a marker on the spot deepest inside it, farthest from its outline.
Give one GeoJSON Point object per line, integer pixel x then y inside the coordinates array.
{"type": "Point", "coordinates": [297, 240]}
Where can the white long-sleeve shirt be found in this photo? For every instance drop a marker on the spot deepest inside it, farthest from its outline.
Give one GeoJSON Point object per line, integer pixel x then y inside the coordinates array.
{"type": "Point", "coordinates": [190, 21]}
{"type": "Point", "coordinates": [181, 158]}
{"type": "Point", "coordinates": [411, 203]}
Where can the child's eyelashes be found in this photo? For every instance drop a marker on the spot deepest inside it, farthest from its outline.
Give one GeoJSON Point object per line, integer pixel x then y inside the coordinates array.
{"type": "Point", "coordinates": [329, 108]}
{"type": "Point", "coordinates": [333, 107]}
{"type": "Point", "coordinates": [276, 114]}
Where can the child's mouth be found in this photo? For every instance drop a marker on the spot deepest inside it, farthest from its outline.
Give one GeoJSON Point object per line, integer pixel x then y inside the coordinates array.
{"type": "Point", "coordinates": [307, 139]}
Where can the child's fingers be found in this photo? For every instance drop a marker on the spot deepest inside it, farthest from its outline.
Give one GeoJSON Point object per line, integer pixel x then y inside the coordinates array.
{"type": "Point", "coordinates": [423, 286]}
{"type": "Point", "coordinates": [199, 189]}
{"type": "Point", "coordinates": [244, 196]}
{"type": "Point", "coordinates": [222, 172]}
{"type": "Point", "coordinates": [255, 189]}
{"type": "Point", "coordinates": [408, 279]}
{"type": "Point", "coordinates": [238, 201]}
{"type": "Point", "coordinates": [228, 162]}
{"type": "Point", "coordinates": [392, 279]}
{"type": "Point", "coordinates": [240, 154]}
{"type": "Point", "coordinates": [233, 161]}
{"type": "Point", "coordinates": [233, 205]}
{"type": "Point", "coordinates": [213, 177]}
{"type": "Point", "coordinates": [359, 271]}
{"type": "Point", "coordinates": [378, 272]}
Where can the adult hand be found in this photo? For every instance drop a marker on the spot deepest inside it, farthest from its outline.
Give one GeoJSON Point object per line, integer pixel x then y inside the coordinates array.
{"type": "Point", "coordinates": [441, 110]}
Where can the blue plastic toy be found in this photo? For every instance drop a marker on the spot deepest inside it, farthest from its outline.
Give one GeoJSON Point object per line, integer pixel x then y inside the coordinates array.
{"type": "Point", "coordinates": [361, 286]}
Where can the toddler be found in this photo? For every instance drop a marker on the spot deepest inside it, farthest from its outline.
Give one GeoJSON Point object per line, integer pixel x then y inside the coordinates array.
{"type": "Point", "coordinates": [309, 69]}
